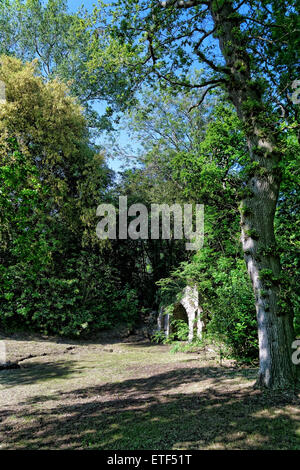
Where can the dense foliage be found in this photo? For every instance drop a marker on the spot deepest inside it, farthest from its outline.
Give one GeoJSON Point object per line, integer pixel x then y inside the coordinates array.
{"type": "Point", "coordinates": [56, 276]}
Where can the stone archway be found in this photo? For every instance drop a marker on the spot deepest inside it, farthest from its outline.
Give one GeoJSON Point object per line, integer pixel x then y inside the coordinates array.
{"type": "Point", "coordinates": [190, 303]}
{"type": "Point", "coordinates": [179, 313]}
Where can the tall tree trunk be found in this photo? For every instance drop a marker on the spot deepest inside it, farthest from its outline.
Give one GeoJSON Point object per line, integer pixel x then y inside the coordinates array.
{"type": "Point", "coordinates": [275, 326]}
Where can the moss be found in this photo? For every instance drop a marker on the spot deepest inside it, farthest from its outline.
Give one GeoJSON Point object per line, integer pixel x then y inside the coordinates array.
{"type": "Point", "coordinates": [252, 233]}
{"type": "Point", "coordinates": [245, 210]}
{"type": "Point", "coordinates": [251, 106]}
{"type": "Point", "coordinates": [246, 193]}
{"type": "Point", "coordinates": [263, 293]}
{"type": "Point", "coordinates": [240, 65]}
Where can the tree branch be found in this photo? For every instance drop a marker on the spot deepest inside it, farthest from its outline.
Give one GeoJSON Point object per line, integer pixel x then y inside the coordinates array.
{"type": "Point", "coordinates": [203, 97]}
{"type": "Point", "coordinates": [205, 35]}
{"type": "Point", "coordinates": [183, 3]}
{"type": "Point", "coordinates": [212, 65]}
{"type": "Point", "coordinates": [215, 81]}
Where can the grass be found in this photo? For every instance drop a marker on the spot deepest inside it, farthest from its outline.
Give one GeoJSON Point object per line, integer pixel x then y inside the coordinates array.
{"type": "Point", "coordinates": [75, 395]}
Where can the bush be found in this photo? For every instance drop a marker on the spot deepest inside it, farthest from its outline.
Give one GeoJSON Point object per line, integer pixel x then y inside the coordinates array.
{"type": "Point", "coordinates": [234, 315]}
{"type": "Point", "coordinates": [81, 299]}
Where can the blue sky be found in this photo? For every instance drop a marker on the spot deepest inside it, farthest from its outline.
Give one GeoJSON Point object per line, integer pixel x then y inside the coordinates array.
{"type": "Point", "coordinates": [123, 137]}
{"type": "Point", "coordinates": [74, 5]}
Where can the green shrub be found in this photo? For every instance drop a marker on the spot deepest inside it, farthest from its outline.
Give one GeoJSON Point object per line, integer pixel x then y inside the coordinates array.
{"type": "Point", "coordinates": [77, 301]}
{"type": "Point", "coordinates": [234, 315]}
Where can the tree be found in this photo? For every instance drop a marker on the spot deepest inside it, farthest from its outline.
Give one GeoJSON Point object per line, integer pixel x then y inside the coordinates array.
{"type": "Point", "coordinates": [231, 41]}
{"type": "Point", "coordinates": [191, 155]}
{"type": "Point", "coordinates": [62, 42]}
{"type": "Point", "coordinates": [56, 276]}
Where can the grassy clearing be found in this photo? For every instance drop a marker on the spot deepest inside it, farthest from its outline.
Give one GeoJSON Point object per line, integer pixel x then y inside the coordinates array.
{"type": "Point", "coordinates": [72, 395]}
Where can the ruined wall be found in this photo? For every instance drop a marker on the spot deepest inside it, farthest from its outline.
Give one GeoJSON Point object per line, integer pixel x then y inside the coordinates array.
{"type": "Point", "coordinates": [190, 302]}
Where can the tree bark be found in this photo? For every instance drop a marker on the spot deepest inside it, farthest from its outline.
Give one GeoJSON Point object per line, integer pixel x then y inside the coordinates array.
{"type": "Point", "coordinates": [275, 326]}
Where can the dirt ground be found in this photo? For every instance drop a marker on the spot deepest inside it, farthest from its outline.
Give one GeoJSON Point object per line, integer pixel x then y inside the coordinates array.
{"type": "Point", "coordinates": [136, 395]}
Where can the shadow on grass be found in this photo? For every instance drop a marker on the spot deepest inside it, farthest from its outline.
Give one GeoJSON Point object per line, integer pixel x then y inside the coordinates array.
{"type": "Point", "coordinates": [33, 372]}
{"type": "Point", "coordinates": [103, 338]}
{"type": "Point", "coordinates": [149, 413]}
{"type": "Point", "coordinates": [144, 343]}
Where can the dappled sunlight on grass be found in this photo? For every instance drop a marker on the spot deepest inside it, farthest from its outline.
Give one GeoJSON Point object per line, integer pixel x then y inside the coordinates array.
{"type": "Point", "coordinates": [109, 400]}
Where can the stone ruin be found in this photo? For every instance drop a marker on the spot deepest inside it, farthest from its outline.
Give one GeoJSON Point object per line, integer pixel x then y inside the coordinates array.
{"type": "Point", "coordinates": [187, 309]}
